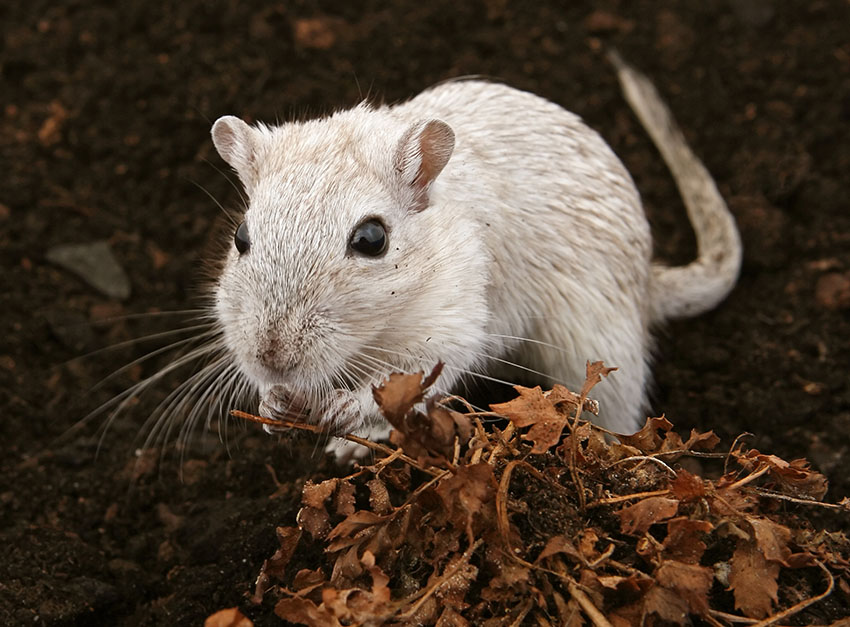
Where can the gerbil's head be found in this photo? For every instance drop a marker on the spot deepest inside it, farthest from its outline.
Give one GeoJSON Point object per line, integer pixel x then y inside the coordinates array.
{"type": "Point", "coordinates": [350, 262]}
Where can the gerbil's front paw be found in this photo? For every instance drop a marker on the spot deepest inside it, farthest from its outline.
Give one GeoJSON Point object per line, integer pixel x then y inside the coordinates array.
{"type": "Point", "coordinates": [342, 413]}
{"type": "Point", "coordinates": [278, 403]}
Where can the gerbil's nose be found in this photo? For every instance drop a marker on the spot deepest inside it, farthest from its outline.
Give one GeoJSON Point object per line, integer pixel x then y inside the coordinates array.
{"type": "Point", "coordinates": [274, 355]}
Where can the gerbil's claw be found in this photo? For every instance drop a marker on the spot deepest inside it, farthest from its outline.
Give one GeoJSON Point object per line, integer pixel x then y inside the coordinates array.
{"type": "Point", "coordinates": [277, 403]}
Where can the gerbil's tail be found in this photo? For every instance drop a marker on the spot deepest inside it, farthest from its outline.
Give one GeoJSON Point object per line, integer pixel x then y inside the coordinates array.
{"type": "Point", "coordinates": [682, 291]}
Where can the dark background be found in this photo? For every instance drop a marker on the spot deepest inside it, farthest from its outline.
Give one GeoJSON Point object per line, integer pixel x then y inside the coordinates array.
{"type": "Point", "coordinates": [106, 109]}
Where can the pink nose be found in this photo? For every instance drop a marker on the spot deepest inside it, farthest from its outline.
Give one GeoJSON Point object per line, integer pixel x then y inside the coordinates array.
{"type": "Point", "coordinates": [272, 354]}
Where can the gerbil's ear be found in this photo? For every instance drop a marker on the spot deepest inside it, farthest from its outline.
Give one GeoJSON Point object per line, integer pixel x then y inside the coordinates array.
{"type": "Point", "coordinates": [235, 141]}
{"type": "Point", "coordinates": [422, 153]}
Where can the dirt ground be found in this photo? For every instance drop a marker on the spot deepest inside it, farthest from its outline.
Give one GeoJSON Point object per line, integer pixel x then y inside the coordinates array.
{"type": "Point", "coordinates": [104, 133]}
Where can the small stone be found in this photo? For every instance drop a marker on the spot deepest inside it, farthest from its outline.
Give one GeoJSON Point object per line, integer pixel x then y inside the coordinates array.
{"type": "Point", "coordinates": [96, 264]}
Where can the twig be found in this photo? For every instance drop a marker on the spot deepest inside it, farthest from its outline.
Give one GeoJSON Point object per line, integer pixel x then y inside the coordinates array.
{"type": "Point", "coordinates": [382, 448]}
{"type": "Point", "coordinates": [574, 473]}
{"type": "Point", "coordinates": [732, 450]}
{"type": "Point", "coordinates": [628, 497]}
{"type": "Point", "coordinates": [649, 458]}
{"type": "Point", "coordinates": [770, 494]}
{"type": "Point", "coordinates": [503, 443]}
{"type": "Point", "coordinates": [443, 579]}
{"type": "Point", "coordinates": [593, 613]}
{"type": "Point", "coordinates": [750, 477]}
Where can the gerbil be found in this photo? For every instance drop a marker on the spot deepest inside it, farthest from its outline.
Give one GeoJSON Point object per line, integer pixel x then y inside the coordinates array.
{"type": "Point", "coordinates": [474, 224]}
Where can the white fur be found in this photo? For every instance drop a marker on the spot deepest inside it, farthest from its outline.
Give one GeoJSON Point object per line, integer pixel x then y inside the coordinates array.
{"type": "Point", "coordinates": [533, 229]}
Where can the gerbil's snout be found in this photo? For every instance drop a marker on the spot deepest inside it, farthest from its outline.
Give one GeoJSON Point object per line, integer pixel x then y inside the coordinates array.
{"type": "Point", "coordinates": [277, 354]}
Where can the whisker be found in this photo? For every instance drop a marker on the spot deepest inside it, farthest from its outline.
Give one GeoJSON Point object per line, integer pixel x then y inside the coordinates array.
{"type": "Point", "coordinates": [229, 216]}
{"type": "Point", "coordinates": [145, 338]}
{"type": "Point", "coordinates": [164, 349]}
{"type": "Point", "coordinates": [530, 341]}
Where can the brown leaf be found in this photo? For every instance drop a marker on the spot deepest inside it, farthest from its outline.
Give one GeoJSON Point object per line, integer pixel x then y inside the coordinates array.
{"type": "Point", "coordinates": [379, 497]}
{"type": "Point", "coordinates": [752, 579]}
{"type": "Point", "coordinates": [304, 612]}
{"type": "Point", "coordinates": [470, 491]}
{"type": "Point", "coordinates": [684, 539]}
{"type": "Point", "coordinates": [593, 375]}
{"type": "Point", "coordinates": [801, 480]}
{"type": "Point", "coordinates": [668, 605]}
{"type": "Point", "coordinates": [772, 539]}
{"type": "Point", "coordinates": [691, 582]}
{"type": "Point", "coordinates": [450, 618]}
{"type": "Point", "coordinates": [686, 486]}
{"type": "Point", "coordinates": [344, 499]}
{"type": "Point", "coordinates": [275, 566]}
{"type": "Point", "coordinates": [647, 440]}
{"type": "Point", "coordinates": [397, 395]}
{"type": "Point", "coordinates": [315, 495]}
{"type": "Point", "coordinates": [801, 560]}
{"type": "Point", "coordinates": [315, 521]}
{"type": "Point", "coordinates": [454, 582]}
{"type": "Point", "coordinates": [230, 617]}
{"type": "Point", "coordinates": [638, 518]}
{"type": "Point", "coordinates": [354, 523]}
{"type": "Point", "coordinates": [559, 544]}
{"type": "Point", "coordinates": [347, 568]}
{"type": "Point", "coordinates": [533, 409]}
{"type": "Point", "coordinates": [702, 441]}
{"type": "Point", "coordinates": [307, 580]}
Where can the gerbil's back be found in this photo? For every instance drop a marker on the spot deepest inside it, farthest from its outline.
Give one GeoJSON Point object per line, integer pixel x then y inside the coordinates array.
{"type": "Point", "coordinates": [554, 202]}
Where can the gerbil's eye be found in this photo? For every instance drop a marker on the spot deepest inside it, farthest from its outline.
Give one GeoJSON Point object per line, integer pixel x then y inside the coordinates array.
{"type": "Point", "coordinates": [241, 239]}
{"type": "Point", "coordinates": [370, 238]}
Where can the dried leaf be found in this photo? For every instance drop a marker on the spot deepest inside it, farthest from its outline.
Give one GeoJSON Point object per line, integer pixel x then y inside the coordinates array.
{"type": "Point", "coordinates": [687, 487]}
{"type": "Point", "coordinates": [772, 539]}
{"type": "Point", "coordinates": [667, 604]}
{"type": "Point", "coordinates": [231, 617]}
{"type": "Point", "coordinates": [453, 582]}
{"type": "Point", "coordinates": [702, 441]}
{"type": "Point", "coordinates": [753, 580]}
{"type": "Point", "coordinates": [379, 497]}
{"type": "Point", "coordinates": [307, 580]}
{"type": "Point", "coordinates": [638, 518]}
{"type": "Point", "coordinates": [316, 522]}
{"type": "Point", "coordinates": [397, 395]}
{"type": "Point", "coordinates": [593, 375]}
{"type": "Point", "coordinates": [684, 539]}
{"type": "Point", "coordinates": [559, 544]}
{"type": "Point", "coordinates": [273, 568]}
{"type": "Point", "coordinates": [533, 409]}
{"type": "Point", "coordinates": [689, 581]}
{"type": "Point", "coordinates": [305, 612]}
{"type": "Point", "coordinates": [469, 492]}
{"type": "Point", "coordinates": [450, 618]}
{"type": "Point", "coordinates": [648, 440]}
{"type": "Point", "coordinates": [315, 495]}
{"type": "Point", "coordinates": [344, 498]}
{"type": "Point", "coordinates": [354, 523]}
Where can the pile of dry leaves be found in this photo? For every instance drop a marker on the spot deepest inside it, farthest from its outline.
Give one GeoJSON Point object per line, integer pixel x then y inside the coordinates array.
{"type": "Point", "coordinates": [551, 522]}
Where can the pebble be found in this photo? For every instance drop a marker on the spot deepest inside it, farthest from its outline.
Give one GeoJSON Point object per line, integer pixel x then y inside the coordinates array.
{"type": "Point", "coordinates": [96, 264]}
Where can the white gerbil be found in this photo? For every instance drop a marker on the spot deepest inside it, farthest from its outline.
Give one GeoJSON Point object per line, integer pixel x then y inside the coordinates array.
{"type": "Point", "coordinates": [474, 224]}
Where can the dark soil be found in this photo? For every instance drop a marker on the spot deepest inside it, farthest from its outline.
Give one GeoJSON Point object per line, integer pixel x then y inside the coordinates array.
{"type": "Point", "coordinates": [106, 109]}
